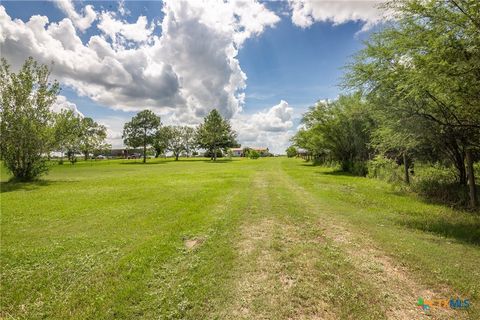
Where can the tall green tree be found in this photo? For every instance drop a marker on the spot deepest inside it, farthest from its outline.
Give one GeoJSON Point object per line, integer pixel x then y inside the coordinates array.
{"type": "Point", "coordinates": [141, 131]}
{"type": "Point", "coordinates": [425, 67]}
{"type": "Point", "coordinates": [176, 143]}
{"type": "Point", "coordinates": [189, 140]}
{"type": "Point", "coordinates": [291, 151]}
{"type": "Point", "coordinates": [340, 131]}
{"type": "Point", "coordinates": [160, 140]}
{"type": "Point", "coordinates": [26, 121]}
{"type": "Point", "coordinates": [215, 134]}
{"type": "Point", "coordinates": [92, 137]}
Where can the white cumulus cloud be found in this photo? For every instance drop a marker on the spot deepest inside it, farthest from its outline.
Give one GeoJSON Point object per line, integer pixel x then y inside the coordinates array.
{"type": "Point", "coordinates": [307, 12]}
{"type": "Point", "coordinates": [187, 70]}
{"type": "Point", "coordinates": [270, 128]}
{"type": "Point", "coordinates": [81, 21]}
{"type": "Point", "coordinates": [62, 103]}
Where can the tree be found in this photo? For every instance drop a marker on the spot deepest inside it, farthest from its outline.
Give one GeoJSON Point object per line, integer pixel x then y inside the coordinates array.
{"type": "Point", "coordinates": [26, 121]}
{"type": "Point", "coordinates": [291, 151]}
{"type": "Point", "coordinates": [189, 140]}
{"type": "Point", "coordinates": [426, 67]}
{"type": "Point", "coordinates": [160, 141]}
{"type": "Point", "coordinates": [253, 154]}
{"type": "Point", "coordinates": [176, 142]}
{"type": "Point", "coordinates": [339, 130]}
{"type": "Point", "coordinates": [92, 137]}
{"type": "Point", "coordinates": [215, 134]}
{"type": "Point", "coordinates": [68, 132]}
{"type": "Point", "coordinates": [141, 131]}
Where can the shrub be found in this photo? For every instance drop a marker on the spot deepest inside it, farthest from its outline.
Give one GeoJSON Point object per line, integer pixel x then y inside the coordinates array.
{"type": "Point", "coordinates": [384, 169]}
{"type": "Point", "coordinates": [358, 168]}
{"type": "Point", "coordinates": [253, 154]}
{"type": "Point", "coordinates": [438, 183]}
{"type": "Point", "coordinates": [291, 151]}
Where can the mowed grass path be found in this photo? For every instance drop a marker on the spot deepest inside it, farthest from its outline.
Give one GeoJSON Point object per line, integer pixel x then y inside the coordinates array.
{"type": "Point", "coordinates": [255, 239]}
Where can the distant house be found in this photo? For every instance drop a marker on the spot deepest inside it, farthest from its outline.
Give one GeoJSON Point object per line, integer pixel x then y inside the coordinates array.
{"type": "Point", "coordinates": [237, 152]}
{"type": "Point", "coordinates": [302, 153]}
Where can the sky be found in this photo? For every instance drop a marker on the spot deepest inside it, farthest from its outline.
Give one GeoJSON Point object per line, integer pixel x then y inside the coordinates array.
{"type": "Point", "coordinates": [261, 64]}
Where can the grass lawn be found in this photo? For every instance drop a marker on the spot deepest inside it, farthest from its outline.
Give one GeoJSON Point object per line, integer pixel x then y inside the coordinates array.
{"type": "Point", "coordinates": [272, 238]}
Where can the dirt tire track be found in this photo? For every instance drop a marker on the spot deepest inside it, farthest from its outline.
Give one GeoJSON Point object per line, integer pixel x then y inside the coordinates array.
{"type": "Point", "coordinates": [389, 277]}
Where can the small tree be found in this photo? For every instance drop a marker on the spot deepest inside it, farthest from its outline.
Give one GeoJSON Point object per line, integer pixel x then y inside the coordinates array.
{"type": "Point", "coordinates": [160, 141]}
{"type": "Point", "coordinates": [26, 121]}
{"type": "Point", "coordinates": [253, 154]}
{"type": "Point", "coordinates": [215, 134]}
{"type": "Point", "coordinates": [189, 140]}
{"type": "Point", "coordinates": [93, 136]}
{"type": "Point", "coordinates": [68, 132]}
{"type": "Point", "coordinates": [176, 143]}
{"type": "Point", "coordinates": [291, 151]}
{"type": "Point", "coordinates": [141, 131]}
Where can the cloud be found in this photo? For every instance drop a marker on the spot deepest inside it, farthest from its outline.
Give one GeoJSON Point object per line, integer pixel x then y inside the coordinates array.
{"type": "Point", "coordinates": [119, 32]}
{"type": "Point", "coordinates": [270, 128]}
{"type": "Point", "coordinates": [121, 8]}
{"type": "Point", "coordinates": [114, 125]}
{"type": "Point", "coordinates": [81, 21]}
{"type": "Point", "coordinates": [187, 70]}
{"type": "Point", "coordinates": [307, 12]}
{"type": "Point", "coordinates": [62, 103]}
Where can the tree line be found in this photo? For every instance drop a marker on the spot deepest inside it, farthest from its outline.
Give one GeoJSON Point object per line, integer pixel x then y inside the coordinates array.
{"type": "Point", "coordinates": [30, 131]}
{"type": "Point", "coordinates": [413, 95]}
{"type": "Point", "coordinates": [145, 130]}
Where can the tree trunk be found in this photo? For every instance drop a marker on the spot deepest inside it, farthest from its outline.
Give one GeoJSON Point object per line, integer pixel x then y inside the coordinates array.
{"type": "Point", "coordinates": [86, 155]}
{"type": "Point", "coordinates": [144, 145]}
{"type": "Point", "coordinates": [405, 166]}
{"type": "Point", "coordinates": [471, 179]}
{"type": "Point", "coordinates": [144, 153]}
{"type": "Point", "coordinates": [459, 161]}
{"type": "Point", "coordinates": [176, 156]}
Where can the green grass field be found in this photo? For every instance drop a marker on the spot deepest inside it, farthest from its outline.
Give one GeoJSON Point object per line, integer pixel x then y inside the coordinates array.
{"type": "Point", "coordinates": [272, 238]}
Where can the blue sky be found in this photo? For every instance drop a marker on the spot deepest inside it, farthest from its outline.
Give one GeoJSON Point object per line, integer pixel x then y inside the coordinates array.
{"type": "Point", "coordinates": [262, 66]}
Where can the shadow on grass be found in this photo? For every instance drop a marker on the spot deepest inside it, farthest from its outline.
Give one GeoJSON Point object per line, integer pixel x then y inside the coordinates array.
{"type": "Point", "coordinates": [146, 163]}
{"type": "Point", "coordinates": [339, 173]}
{"type": "Point", "coordinates": [464, 231]}
{"type": "Point", "coordinates": [14, 185]}
{"type": "Point", "coordinates": [217, 161]}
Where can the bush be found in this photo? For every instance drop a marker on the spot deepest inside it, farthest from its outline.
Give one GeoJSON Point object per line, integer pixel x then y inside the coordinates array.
{"type": "Point", "coordinates": [291, 151]}
{"type": "Point", "coordinates": [253, 154]}
{"type": "Point", "coordinates": [358, 168]}
{"type": "Point", "coordinates": [438, 183]}
{"type": "Point", "coordinates": [384, 169]}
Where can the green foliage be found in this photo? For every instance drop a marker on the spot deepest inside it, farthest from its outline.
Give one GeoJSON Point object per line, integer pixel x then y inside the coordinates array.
{"type": "Point", "coordinates": [74, 134]}
{"type": "Point", "coordinates": [68, 133]}
{"type": "Point", "coordinates": [141, 131]}
{"type": "Point", "coordinates": [439, 184]}
{"type": "Point", "coordinates": [291, 151]}
{"type": "Point", "coordinates": [253, 154]}
{"type": "Point", "coordinates": [161, 140]}
{"type": "Point", "coordinates": [421, 76]}
{"type": "Point", "coordinates": [215, 133]}
{"type": "Point", "coordinates": [209, 154]}
{"type": "Point", "coordinates": [385, 169]}
{"type": "Point", "coordinates": [340, 131]}
{"type": "Point", "coordinates": [92, 136]}
{"type": "Point", "coordinates": [26, 121]}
